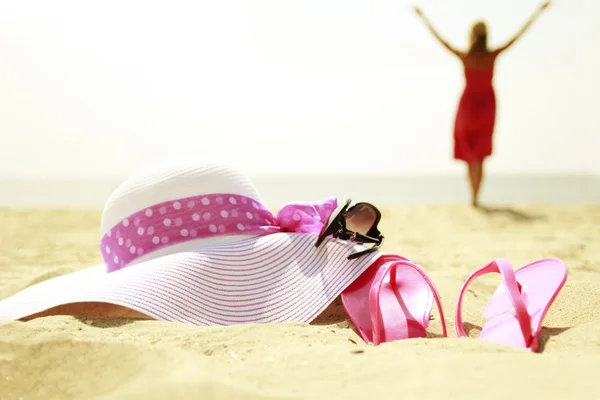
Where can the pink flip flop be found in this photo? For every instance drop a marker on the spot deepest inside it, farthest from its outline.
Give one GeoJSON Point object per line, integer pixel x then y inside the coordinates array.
{"type": "Point", "coordinates": [515, 312]}
{"type": "Point", "coordinates": [392, 300]}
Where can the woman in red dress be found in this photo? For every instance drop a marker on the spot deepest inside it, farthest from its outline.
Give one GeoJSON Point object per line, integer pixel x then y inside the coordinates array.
{"type": "Point", "coordinates": [476, 114]}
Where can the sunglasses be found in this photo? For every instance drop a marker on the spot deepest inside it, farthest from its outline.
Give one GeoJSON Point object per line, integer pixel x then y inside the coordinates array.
{"type": "Point", "coordinates": [357, 224]}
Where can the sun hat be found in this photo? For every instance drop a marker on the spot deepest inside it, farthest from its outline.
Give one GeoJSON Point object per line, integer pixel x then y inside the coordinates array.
{"type": "Point", "coordinates": [194, 243]}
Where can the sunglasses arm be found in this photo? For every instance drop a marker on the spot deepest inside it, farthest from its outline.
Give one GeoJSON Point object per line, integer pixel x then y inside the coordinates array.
{"type": "Point", "coordinates": [358, 237]}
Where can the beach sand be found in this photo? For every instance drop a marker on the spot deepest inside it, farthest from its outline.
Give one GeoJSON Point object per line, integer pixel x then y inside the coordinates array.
{"type": "Point", "coordinates": [65, 357]}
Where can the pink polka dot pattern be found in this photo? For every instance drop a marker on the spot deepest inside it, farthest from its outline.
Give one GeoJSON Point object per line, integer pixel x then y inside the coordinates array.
{"type": "Point", "coordinates": [180, 220]}
{"type": "Point", "coordinates": [205, 216]}
{"type": "Point", "coordinates": [305, 217]}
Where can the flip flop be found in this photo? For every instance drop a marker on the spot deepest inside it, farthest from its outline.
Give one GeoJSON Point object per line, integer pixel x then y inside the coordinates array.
{"type": "Point", "coordinates": [515, 312]}
{"type": "Point", "coordinates": [392, 300]}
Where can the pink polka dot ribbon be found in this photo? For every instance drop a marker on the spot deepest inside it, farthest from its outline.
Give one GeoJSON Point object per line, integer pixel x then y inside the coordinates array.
{"type": "Point", "coordinates": [205, 216]}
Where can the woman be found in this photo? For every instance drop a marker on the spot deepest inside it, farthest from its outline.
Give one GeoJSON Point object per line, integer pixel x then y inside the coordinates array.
{"type": "Point", "coordinates": [475, 118]}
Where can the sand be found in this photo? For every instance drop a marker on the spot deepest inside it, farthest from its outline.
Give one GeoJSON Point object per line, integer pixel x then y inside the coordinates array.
{"type": "Point", "coordinates": [64, 357]}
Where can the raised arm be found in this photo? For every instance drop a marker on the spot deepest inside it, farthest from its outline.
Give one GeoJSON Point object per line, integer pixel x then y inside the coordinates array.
{"type": "Point", "coordinates": [535, 15]}
{"type": "Point", "coordinates": [436, 34]}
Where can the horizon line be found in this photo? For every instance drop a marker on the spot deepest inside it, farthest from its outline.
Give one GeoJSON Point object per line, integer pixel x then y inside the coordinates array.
{"type": "Point", "coordinates": [327, 175]}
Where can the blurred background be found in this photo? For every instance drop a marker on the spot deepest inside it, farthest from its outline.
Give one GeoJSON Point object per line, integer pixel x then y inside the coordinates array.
{"type": "Point", "coordinates": [354, 98]}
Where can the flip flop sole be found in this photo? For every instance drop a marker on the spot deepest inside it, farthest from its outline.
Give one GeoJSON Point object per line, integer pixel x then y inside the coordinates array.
{"type": "Point", "coordinates": [404, 305]}
{"type": "Point", "coordinates": [410, 293]}
{"type": "Point", "coordinates": [540, 282]}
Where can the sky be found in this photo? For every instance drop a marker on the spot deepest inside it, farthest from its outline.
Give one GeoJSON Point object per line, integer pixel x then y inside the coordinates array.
{"type": "Point", "coordinates": [98, 89]}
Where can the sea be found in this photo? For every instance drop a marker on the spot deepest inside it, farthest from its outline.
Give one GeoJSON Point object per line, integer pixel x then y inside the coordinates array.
{"type": "Point", "coordinates": [383, 190]}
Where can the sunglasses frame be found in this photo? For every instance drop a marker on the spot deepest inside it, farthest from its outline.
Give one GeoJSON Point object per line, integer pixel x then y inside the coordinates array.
{"type": "Point", "coordinates": [336, 227]}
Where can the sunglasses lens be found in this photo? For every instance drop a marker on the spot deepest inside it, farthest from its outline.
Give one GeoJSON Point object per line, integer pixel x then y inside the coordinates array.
{"type": "Point", "coordinates": [361, 218]}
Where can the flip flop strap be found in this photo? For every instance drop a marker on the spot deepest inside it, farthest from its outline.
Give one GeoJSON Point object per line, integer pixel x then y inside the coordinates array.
{"type": "Point", "coordinates": [503, 267]}
{"type": "Point", "coordinates": [390, 268]}
{"type": "Point", "coordinates": [434, 290]}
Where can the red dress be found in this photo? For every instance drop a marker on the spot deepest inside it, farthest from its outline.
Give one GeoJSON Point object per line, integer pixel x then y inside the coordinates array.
{"type": "Point", "coordinates": [476, 116]}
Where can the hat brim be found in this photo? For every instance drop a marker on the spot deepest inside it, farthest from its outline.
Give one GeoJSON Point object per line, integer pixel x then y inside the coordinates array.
{"type": "Point", "coordinates": [273, 278]}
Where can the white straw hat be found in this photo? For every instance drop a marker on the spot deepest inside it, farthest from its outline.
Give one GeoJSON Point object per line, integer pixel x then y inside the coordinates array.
{"type": "Point", "coordinates": [194, 243]}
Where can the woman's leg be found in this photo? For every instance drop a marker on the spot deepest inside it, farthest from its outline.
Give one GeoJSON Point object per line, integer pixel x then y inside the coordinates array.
{"type": "Point", "coordinates": [475, 178]}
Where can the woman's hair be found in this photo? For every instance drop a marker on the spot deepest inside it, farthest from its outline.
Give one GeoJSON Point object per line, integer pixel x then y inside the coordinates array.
{"type": "Point", "coordinates": [478, 38]}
